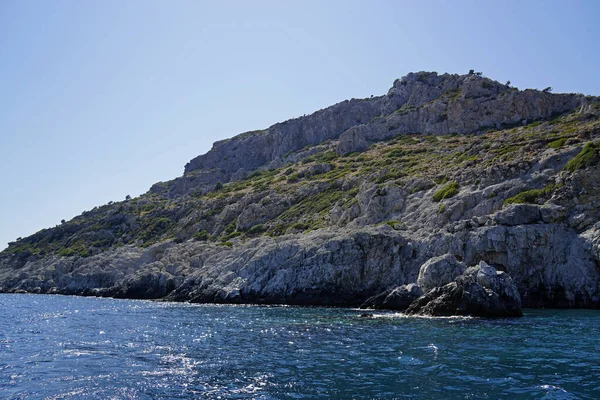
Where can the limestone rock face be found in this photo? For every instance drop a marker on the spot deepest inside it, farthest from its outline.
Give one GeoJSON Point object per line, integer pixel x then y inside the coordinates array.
{"type": "Point", "coordinates": [336, 268]}
{"type": "Point", "coordinates": [199, 182]}
{"type": "Point", "coordinates": [550, 264]}
{"type": "Point", "coordinates": [439, 271]}
{"type": "Point", "coordinates": [321, 268]}
{"type": "Point", "coordinates": [481, 291]}
{"type": "Point", "coordinates": [441, 104]}
{"type": "Point", "coordinates": [251, 150]}
{"type": "Point", "coordinates": [423, 102]}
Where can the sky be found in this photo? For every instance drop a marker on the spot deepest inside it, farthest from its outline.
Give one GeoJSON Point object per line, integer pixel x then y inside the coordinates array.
{"type": "Point", "coordinates": [101, 99]}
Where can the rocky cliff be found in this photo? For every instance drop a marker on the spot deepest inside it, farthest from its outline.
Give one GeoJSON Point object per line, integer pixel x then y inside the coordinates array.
{"type": "Point", "coordinates": [350, 201]}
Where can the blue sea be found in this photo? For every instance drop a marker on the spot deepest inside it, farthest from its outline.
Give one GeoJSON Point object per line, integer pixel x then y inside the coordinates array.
{"type": "Point", "coordinates": [55, 347]}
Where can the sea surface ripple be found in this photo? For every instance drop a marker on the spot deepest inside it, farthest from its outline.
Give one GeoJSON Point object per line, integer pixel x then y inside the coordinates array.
{"type": "Point", "coordinates": [56, 347]}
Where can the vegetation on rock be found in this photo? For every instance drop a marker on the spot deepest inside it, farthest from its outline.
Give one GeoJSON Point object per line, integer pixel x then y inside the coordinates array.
{"type": "Point", "coordinates": [558, 143]}
{"type": "Point", "coordinates": [589, 156]}
{"type": "Point", "coordinates": [531, 196]}
{"type": "Point", "coordinates": [448, 191]}
{"type": "Point", "coordinates": [412, 162]}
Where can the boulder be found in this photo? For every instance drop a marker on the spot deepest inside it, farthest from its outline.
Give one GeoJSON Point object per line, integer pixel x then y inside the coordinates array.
{"type": "Point", "coordinates": [519, 214]}
{"type": "Point", "coordinates": [401, 297]}
{"type": "Point", "coordinates": [397, 299]}
{"type": "Point", "coordinates": [481, 292]}
{"type": "Point", "coordinates": [438, 271]}
{"type": "Point", "coordinates": [376, 302]}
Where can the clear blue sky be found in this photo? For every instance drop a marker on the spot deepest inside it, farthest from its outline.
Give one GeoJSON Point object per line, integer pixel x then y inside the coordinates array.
{"type": "Point", "coordinates": [101, 99]}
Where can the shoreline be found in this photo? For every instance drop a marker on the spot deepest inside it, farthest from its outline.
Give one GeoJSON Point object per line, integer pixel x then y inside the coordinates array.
{"type": "Point", "coordinates": [283, 305]}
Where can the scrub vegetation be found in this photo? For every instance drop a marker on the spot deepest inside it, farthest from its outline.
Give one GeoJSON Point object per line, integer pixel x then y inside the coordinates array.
{"type": "Point", "coordinates": [302, 195]}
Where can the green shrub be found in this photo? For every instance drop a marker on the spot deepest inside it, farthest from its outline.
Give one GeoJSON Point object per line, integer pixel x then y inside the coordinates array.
{"type": "Point", "coordinates": [487, 84]}
{"type": "Point", "coordinates": [534, 124]}
{"type": "Point", "coordinates": [293, 178]}
{"type": "Point", "coordinates": [149, 207]}
{"type": "Point", "coordinates": [397, 225]}
{"type": "Point", "coordinates": [530, 196]}
{"type": "Point", "coordinates": [328, 156]}
{"type": "Point", "coordinates": [442, 208]}
{"type": "Point", "coordinates": [381, 191]}
{"type": "Point", "coordinates": [452, 94]}
{"type": "Point", "coordinates": [450, 190]}
{"type": "Point", "coordinates": [202, 236]}
{"type": "Point", "coordinates": [422, 76]}
{"type": "Point", "coordinates": [256, 229]}
{"type": "Point", "coordinates": [254, 174]}
{"type": "Point", "coordinates": [586, 158]}
{"type": "Point", "coordinates": [66, 252]}
{"type": "Point", "coordinates": [278, 230]}
{"type": "Point", "coordinates": [309, 159]}
{"type": "Point", "coordinates": [79, 248]}
{"type": "Point", "coordinates": [300, 226]}
{"type": "Point", "coordinates": [228, 244]}
{"type": "Point", "coordinates": [102, 243]}
{"type": "Point", "coordinates": [423, 186]}
{"type": "Point", "coordinates": [156, 228]}
{"type": "Point", "coordinates": [393, 175]}
{"type": "Point", "coordinates": [440, 180]}
{"type": "Point", "coordinates": [231, 236]}
{"type": "Point", "coordinates": [557, 144]}
{"type": "Point", "coordinates": [312, 205]}
{"type": "Point", "coordinates": [396, 153]}
{"type": "Point", "coordinates": [260, 187]}
{"type": "Point", "coordinates": [229, 229]}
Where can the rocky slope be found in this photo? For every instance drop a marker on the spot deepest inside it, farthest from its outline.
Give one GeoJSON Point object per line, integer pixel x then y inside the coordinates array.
{"type": "Point", "coordinates": [349, 202]}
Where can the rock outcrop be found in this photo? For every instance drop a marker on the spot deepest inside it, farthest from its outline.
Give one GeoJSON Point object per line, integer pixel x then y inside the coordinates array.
{"type": "Point", "coordinates": [443, 104]}
{"type": "Point", "coordinates": [481, 291]}
{"type": "Point", "coordinates": [446, 288]}
{"type": "Point", "coordinates": [422, 102]}
{"type": "Point", "coordinates": [439, 271]}
{"type": "Point", "coordinates": [398, 298]}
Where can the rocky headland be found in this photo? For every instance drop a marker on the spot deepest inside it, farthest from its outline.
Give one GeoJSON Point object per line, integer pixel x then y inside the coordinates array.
{"type": "Point", "coordinates": [359, 202]}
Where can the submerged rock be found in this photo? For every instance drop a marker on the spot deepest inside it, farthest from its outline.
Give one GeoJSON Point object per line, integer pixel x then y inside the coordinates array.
{"type": "Point", "coordinates": [481, 291]}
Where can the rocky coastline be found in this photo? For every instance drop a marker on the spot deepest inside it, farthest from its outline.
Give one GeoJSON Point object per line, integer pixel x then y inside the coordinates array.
{"type": "Point", "coordinates": [386, 202]}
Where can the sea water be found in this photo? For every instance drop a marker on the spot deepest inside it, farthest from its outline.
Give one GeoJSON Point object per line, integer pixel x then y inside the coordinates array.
{"type": "Point", "coordinates": [55, 347]}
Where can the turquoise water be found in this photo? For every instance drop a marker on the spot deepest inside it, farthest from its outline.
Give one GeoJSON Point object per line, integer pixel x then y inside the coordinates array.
{"type": "Point", "coordinates": [54, 347]}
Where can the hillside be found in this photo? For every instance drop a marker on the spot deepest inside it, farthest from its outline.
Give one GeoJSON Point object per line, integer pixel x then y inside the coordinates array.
{"type": "Point", "coordinates": [337, 206]}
